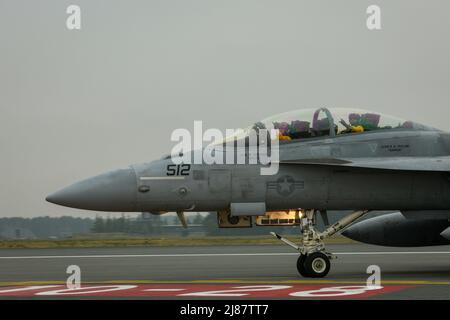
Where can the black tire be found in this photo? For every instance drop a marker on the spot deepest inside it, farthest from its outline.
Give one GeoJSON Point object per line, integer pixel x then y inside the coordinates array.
{"type": "Point", "coordinates": [301, 266]}
{"type": "Point", "coordinates": [317, 265]}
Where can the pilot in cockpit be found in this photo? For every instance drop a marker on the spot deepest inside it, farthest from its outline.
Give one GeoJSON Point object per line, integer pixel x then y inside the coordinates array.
{"type": "Point", "coordinates": [361, 122]}
{"type": "Point", "coordinates": [314, 123]}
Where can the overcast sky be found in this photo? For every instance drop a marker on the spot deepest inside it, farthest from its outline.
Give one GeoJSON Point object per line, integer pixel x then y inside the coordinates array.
{"type": "Point", "coordinates": [77, 103]}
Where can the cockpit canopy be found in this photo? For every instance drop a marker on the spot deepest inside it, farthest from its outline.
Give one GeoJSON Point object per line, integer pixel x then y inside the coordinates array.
{"type": "Point", "coordinates": [313, 123]}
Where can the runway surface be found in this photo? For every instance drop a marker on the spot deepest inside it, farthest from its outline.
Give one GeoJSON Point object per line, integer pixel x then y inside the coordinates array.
{"type": "Point", "coordinates": [224, 272]}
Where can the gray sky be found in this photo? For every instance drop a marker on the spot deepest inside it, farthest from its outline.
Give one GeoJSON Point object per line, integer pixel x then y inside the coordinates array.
{"type": "Point", "coordinates": [78, 103]}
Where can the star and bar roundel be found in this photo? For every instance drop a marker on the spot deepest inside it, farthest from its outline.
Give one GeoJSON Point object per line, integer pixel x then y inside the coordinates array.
{"type": "Point", "coordinates": [285, 185]}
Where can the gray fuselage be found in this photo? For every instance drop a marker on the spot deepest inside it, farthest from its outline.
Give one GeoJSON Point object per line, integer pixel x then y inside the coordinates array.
{"type": "Point", "coordinates": [214, 187]}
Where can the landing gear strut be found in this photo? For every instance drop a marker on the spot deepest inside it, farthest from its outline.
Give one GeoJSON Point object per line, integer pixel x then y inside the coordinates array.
{"type": "Point", "coordinates": [314, 261]}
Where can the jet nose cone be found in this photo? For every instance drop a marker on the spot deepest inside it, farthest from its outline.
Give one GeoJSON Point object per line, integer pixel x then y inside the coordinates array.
{"type": "Point", "coordinates": [112, 191]}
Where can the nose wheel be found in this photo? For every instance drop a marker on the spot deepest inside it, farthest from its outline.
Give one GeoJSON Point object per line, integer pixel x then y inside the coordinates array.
{"type": "Point", "coordinates": [314, 265]}
{"type": "Point", "coordinates": [314, 261]}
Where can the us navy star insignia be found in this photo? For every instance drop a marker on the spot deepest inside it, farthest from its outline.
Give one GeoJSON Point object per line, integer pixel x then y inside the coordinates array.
{"type": "Point", "coordinates": [285, 185]}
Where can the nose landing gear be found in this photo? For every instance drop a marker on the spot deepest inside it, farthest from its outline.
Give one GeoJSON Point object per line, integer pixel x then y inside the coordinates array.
{"type": "Point", "coordinates": [314, 261]}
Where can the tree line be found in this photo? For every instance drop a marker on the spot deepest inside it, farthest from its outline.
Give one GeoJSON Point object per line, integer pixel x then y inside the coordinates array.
{"type": "Point", "coordinates": [155, 225]}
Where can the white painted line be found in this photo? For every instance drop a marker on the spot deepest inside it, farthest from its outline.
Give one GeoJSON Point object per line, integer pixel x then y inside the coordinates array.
{"type": "Point", "coordinates": [28, 288]}
{"type": "Point", "coordinates": [392, 252]}
{"type": "Point", "coordinates": [162, 178]}
{"type": "Point", "coordinates": [219, 255]}
{"type": "Point", "coordinates": [153, 255]}
{"type": "Point", "coordinates": [163, 290]}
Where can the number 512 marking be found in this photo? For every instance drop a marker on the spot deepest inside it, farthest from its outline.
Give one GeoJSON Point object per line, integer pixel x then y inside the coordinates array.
{"type": "Point", "coordinates": [178, 169]}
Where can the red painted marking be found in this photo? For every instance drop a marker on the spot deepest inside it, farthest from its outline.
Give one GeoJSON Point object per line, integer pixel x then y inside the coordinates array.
{"type": "Point", "coordinates": [193, 291]}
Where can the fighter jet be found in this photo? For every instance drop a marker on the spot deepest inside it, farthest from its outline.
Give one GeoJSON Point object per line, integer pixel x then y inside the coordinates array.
{"type": "Point", "coordinates": [328, 159]}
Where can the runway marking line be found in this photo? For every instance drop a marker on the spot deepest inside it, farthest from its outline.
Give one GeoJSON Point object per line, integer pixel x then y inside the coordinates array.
{"type": "Point", "coordinates": [179, 290]}
{"type": "Point", "coordinates": [214, 255]}
{"type": "Point", "coordinates": [227, 281]}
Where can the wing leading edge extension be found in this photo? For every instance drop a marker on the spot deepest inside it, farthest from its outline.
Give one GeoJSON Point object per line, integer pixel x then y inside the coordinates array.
{"type": "Point", "coordinates": [440, 164]}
